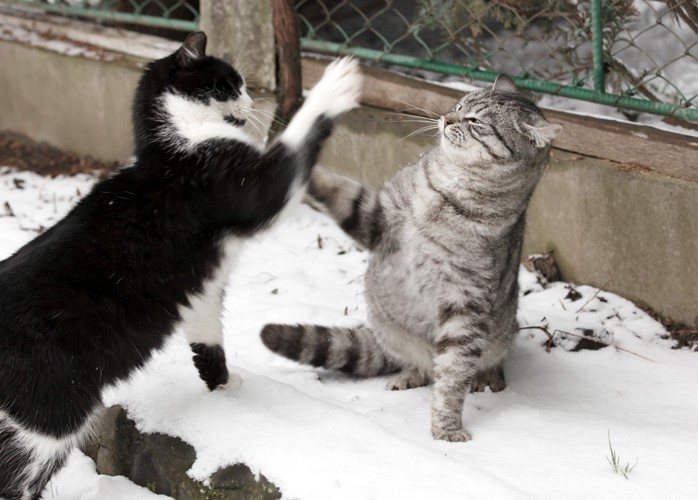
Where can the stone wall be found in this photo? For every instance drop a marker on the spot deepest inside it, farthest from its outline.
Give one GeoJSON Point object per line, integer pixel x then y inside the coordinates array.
{"type": "Point", "coordinates": [160, 463]}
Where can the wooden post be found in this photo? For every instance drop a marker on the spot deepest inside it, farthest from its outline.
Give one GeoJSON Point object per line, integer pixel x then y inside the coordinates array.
{"type": "Point", "coordinates": [241, 32]}
{"type": "Point", "coordinates": [288, 62]}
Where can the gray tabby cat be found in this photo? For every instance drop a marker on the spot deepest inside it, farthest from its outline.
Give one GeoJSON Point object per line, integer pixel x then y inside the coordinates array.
{"type": "Point", "coordinates": [445, 235]}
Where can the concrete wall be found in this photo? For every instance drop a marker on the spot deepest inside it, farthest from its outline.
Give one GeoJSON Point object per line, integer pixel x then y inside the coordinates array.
{"type": "Point", "coordinates": [631, 232]}
{"type": "Point", "coordinates": [78, 104]}
{"type": "Point", "coordinates": [634, 233]}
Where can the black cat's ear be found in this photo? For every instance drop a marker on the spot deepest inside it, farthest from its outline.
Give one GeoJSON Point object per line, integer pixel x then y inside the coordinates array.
{"type": "Point", "coordinates": [193, 48]}
{"type": "Point", "coordinates": [504, 84]}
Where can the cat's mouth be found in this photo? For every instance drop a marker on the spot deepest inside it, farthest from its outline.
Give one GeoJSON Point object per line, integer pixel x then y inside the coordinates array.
{"type": "Point", "coordinates": [237, 122]}
{"type": "Point", "coordinates": [454, 136]}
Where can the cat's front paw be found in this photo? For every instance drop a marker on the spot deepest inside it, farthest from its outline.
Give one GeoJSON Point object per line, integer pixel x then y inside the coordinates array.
{"type": "Point", "coordinates": [448, 426]}
{"type": "Point", "coordinates": [234, 382]}
{"type": "Point", "coordinates": [210, 362]}
{"type": "Point", "coordinates": [339, 88]}
{"type": "Point", "coordinates": [459, 436]}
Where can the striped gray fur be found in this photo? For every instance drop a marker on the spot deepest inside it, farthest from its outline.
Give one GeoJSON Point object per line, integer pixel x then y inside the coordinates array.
{"type": "Point", "coordinates": [355, 207]}
{"type": "Point", "coordinates": [446, 235]}
{"type": "Point", "coordinates": [350, 350]}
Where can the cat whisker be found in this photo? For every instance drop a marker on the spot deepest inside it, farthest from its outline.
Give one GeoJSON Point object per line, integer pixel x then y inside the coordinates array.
{"type": "Point", "coordinates": [419, 108]}
{"type": "Point", "coordinates": [268, 114]}
{"type": "Point", "coordinates": [263, 110]}
{"type": "Point", "coordinates": [429, 122]}
{"type": "Point", "coordinates": [266, 99]}
{"type": "Point", "coordinates": [408, 118]}
{"type": "Point", "coordinates": [254, 122]}
{"type": "Point", "coordinates": [137, 351]}
{"type": "Point", "coordinates": [411, 116]}
{"type": "Point", "coordinates": [270, 120]}
{"type": "Point", "coordinates": [266, 127]}
{"type": "Point", "coordinates": [421, 131]}
{"type": "Point", "coordinates": [251, 80]}
{"type": "Point", "coordinates": [243, 63]}
{"type": "Point", "coordinates": [261, 116]}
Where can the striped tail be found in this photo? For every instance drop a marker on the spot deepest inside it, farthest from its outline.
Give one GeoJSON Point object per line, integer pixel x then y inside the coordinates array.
{"type": "Point", "coordinates": [356, 208]}
{"type": "Point", "coordinates": [350, 350]}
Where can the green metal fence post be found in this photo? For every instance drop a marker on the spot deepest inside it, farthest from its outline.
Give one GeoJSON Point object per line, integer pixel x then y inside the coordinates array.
{"type": "Point", "coordinates": [238, 24]}
{"type": "Point", "coordinates": [597, 45]}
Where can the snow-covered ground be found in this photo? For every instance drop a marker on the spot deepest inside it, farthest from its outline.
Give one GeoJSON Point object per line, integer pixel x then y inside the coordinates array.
{"type": "Point", "coordinates": [319, 435]}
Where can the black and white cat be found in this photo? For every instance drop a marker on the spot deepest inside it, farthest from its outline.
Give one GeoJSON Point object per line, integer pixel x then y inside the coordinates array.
{"type": "Point", "coordinates": [85, 303]}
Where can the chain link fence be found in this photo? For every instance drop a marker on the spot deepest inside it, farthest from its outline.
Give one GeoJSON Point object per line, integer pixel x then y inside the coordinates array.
{"type": "Point", "coordinates": [177, 15]}
{"type": "Point", "coordinates": [637, 55]}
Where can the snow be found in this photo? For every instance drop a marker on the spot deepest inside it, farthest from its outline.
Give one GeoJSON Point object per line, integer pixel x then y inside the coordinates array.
{"type": "Point", "coordinates": [9, 32]}
{"type": "Point", "coordinates": [319, 435]}
{"type": "Point", "coordinates": [79, 481]}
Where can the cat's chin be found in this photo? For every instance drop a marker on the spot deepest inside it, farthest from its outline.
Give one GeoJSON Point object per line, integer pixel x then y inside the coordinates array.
{"type": "Point", "coordinates": [237, 122]}
{"type": "Point", "coordinates": [455, 153]}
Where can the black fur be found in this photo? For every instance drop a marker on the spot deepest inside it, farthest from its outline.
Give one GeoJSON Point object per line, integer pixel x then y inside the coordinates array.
{"type": "Point", "coordinates": [210, 361]}
{"type": "Point", "coordinates": [88, 301]}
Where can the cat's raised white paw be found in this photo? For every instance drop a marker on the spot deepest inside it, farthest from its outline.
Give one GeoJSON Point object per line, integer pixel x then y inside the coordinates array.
{"type": "Point", "coordinates": [339, 88]}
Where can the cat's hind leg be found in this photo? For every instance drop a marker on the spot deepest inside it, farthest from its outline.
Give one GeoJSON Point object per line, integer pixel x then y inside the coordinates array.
{"type": "Point", "coordinates": [15, 462]}
{"type": "Point", "coordinates": [491, 371]}
{"type": "Point", "coordinates": [492, 377]}
{"type": "Point", "coordinates": [29, 459]}
{"type": "Point", "coordinates": [408, 378]}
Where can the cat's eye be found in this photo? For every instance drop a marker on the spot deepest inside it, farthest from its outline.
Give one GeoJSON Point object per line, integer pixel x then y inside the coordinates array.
{"type": "Point", "coordinates": [458, 107]}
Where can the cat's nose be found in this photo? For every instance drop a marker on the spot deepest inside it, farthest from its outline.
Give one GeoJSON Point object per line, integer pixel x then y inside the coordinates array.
{"type": "Point", "coordinates": [446, 121]}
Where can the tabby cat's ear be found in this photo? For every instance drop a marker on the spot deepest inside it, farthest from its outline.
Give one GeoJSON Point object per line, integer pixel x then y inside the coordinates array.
{"type": "Point", "coordinates": [505, 84]}
{"type": "Point", "coordinates": [543, 132]}
{"type": "Point", "coordinates": [193, 48]}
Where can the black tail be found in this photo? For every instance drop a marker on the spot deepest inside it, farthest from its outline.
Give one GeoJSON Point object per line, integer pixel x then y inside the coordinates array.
{"type": "Point", "coordinates": [350, 350]}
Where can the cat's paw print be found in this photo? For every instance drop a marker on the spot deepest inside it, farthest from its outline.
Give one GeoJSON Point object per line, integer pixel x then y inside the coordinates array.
{"type": "Point", "coordinates": [339, 88]}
